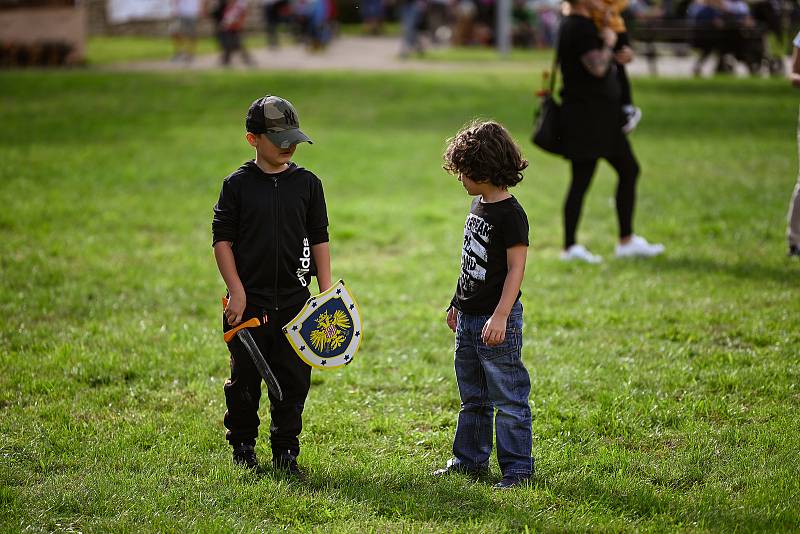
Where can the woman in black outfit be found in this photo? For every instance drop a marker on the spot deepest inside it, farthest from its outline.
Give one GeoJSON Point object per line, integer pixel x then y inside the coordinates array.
{"type": "Point", "coordinates": [592, 128]}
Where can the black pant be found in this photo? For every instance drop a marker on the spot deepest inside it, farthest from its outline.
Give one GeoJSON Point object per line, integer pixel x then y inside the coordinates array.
{"type": "Point", "coordinates": [231, 41]}
{"type": "Point", "coordinates": [272, 17]}
{"type": "Point", "coordinates": [243, 388]}
{"type": "Point", "coordinates": [582, 171]}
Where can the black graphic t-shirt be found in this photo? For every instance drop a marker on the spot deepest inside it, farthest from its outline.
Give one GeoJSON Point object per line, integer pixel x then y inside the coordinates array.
{"type": "Point", "coordinates": [490, 230]}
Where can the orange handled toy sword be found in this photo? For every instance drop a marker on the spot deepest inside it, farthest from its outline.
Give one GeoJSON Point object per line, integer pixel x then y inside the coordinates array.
{"type": "Point", "coordinates": [241, 331]}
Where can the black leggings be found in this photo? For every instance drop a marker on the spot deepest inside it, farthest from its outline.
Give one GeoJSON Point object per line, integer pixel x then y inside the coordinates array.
{"type": "Point", "coordinates": [582, 171]}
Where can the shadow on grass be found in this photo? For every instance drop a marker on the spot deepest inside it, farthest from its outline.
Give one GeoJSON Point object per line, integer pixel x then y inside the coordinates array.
{"type": "Point", "coordinates": [453, 499]}
{"type": "Point", "coordinates": [464, 502]}
{"type": "Point", "coordinates": [594, 495]}
{"type": "Point", "coordinates": [782, 271]}
{"type": "Point", "coordinates": [648, 505]}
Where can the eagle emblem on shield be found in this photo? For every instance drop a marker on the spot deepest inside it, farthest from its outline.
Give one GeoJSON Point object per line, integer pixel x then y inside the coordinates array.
{"type": "Point", "coordinates": [326, 333]}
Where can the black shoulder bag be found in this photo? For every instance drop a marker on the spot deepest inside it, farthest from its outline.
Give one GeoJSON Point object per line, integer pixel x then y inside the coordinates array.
{"type": "Point", "coordinates": [546, 122]}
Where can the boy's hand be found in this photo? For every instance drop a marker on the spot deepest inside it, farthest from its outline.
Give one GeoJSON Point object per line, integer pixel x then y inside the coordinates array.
{"type": "Point", "coordinates": [494, 331]}
{"type": "Point", "coordinates": [235, 308]}
{"type": "Point", "coordinates": [451, 318]}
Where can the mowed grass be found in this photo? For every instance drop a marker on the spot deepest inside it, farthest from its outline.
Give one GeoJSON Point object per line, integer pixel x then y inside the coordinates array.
{"type": "Point", "coordinates": [664, 392]}
{"type": "Point", "coordinates": [101, 50]}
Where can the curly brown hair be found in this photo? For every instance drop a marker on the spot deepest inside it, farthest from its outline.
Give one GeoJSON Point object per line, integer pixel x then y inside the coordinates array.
{"type": "Point", "coordinates": [485, 152]}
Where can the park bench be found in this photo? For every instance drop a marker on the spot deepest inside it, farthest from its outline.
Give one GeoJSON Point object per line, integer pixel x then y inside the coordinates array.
{"type": "Point", "coordinates": [747, 44]}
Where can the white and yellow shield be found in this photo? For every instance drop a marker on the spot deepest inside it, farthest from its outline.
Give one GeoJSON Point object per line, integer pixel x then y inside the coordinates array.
{"type": "Point", "coordinates": [327, 332]}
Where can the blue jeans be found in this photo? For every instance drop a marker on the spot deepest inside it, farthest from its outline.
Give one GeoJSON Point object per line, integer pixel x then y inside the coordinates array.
{"type": "Point", "coordinates": [489, 378]}
{"type": "Point", "coordinates": [410, 17]}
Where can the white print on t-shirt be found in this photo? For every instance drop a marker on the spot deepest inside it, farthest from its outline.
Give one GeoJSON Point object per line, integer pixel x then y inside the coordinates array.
{"type": "Point", "coordinates": [474, 254]}
{"type": "Point", "coordinates": [305, 263]}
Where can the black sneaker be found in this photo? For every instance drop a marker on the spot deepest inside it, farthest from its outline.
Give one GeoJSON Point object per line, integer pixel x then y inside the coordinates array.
{"type": "Point", "coordinates": [287, 463]}
{"type": "Point", "coordinates": [245, 454]}
{"type": "Point", "coordinates": [794, 250]}
{"type": "Point", "coordinates": [511, 481]}
{"type": "Point", "coordinates": [454, 467]}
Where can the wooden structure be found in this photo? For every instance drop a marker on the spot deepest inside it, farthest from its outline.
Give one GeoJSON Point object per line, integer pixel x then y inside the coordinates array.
{"type": "Point", "coordinates": [42, 32]}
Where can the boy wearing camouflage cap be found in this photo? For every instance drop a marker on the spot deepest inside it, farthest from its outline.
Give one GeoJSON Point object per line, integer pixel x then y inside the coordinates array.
{"type": "Point", "coordinates": [270, 237]}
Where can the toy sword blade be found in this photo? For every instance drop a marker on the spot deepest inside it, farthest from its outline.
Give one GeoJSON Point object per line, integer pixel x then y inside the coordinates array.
{"type": "Point", "coordinates": [241, 331]}
{"type": "Point", "coordinates": [261, 364]}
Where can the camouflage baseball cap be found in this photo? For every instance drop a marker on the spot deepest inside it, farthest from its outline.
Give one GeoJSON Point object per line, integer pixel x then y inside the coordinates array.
{"type": "Point", "coordinates": [276, 118]}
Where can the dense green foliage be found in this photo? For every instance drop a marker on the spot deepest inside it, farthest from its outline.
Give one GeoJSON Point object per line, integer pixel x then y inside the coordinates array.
{"type": "Point", "coordinates": [665, 392]}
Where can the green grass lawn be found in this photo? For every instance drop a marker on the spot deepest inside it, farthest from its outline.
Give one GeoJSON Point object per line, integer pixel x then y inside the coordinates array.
{"type": "Point", "coordinates": [102, 51]}
{"type": "Point", "coordinates": [665, 393]}
{"type": "Point", "coordinates": [108, 50]}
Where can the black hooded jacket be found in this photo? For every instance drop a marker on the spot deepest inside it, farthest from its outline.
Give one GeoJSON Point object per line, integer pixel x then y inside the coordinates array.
{"type": "Point", "coordinates": [272, 220]}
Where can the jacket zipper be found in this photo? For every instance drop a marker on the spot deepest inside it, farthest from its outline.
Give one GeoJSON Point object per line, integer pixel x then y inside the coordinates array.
{"type": "Point", "coordinates": [277, 241]}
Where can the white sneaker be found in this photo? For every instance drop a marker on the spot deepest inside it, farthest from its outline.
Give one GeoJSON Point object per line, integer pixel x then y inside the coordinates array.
{"type": "Point", "coordinates": [579, 253]}
{"type": "Point", "coordinates": [632, 117]}
{"type": "Point", "coordinates": [638, 247]}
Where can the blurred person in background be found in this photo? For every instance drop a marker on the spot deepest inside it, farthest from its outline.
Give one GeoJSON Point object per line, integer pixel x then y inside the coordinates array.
{"type": "Point", "coordinates": [216, 12]}
{"type": "Point", "coordinates": [234, 14]}
{"type": "Point", "coordinates": [412, 13]}
{"type": "Point", "coordinates": [706, 17]}
{"type": "Point", "coordinates": [793, 226]}
{"type": "Point", "coordinates": [275, 12]}
{"type": "Point", "coordinates": [548, 16]}
{"type": "Point", "coordinates": [313, 19]}
{"type": "Point", "coordinates": [523, 24]}
{"type": "Point", "coordinates": [718, 26]}
{"type": "Point", "coordinates": [592, 122]}
{"type": "Point", "coordinates": [464, 13]}
{"type": "Point", "coordinates": [485, 22]}
{"type": "Point", "coordinates": [186, 13]}
{"type": "Point", "coordinates": [184, 28]}
{"type": "Point", "coordinates": [372, 16]}
{"type": "Point", "coordinates": [439, 21]}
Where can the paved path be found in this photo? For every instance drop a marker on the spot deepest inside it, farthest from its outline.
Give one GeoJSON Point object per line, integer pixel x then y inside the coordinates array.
{"type": "Point", "coordinates": [355, 53]}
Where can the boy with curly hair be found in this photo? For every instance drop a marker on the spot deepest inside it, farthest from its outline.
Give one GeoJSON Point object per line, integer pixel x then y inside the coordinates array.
{"type": "Point", "coordinates": [486, 313]}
